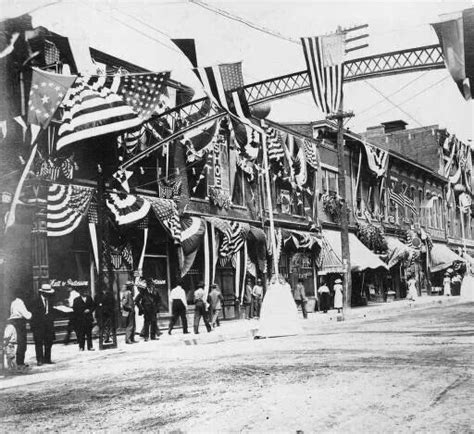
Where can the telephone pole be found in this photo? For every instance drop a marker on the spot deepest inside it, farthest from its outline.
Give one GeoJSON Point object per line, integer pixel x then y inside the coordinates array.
{"type": "Point", "coordinates": [341, 166]}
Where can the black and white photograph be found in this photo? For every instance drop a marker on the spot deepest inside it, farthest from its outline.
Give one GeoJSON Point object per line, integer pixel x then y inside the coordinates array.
{"type": "Point", "coordinates": [224, 216]}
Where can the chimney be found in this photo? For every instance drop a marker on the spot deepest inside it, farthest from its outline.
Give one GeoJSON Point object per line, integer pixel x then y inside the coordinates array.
{"type": "Point", "coordinates": [392, 126]}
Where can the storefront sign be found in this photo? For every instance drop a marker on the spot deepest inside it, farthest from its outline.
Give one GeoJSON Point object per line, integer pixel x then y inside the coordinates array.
{"type": "Point", "coordinates": [217, 162]}
{"type": "Point", "coordinates": [69, 282]}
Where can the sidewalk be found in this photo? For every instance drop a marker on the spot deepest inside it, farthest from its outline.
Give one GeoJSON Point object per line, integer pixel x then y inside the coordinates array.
{"type": "Point", "coordinates": [233, 330]}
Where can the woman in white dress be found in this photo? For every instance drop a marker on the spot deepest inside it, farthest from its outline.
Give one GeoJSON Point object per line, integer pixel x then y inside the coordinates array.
{"type": "Point", "coordinates": [338, 297]}
{"type": "Point", "coordinates": [412, 291]}
{"type": "Point", "coordinates": [279, 314]}
{"type": "Point", "coordinates": [447, 284]}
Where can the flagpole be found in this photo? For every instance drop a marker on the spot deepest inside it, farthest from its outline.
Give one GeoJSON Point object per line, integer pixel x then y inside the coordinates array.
{"type": "Point", "coordinates": [269, 197]}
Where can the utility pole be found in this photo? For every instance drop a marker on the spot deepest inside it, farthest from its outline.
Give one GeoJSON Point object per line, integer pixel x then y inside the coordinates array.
{"type": "Point", "coordinates": [342, 171]}
{"type": "Point", "coordinates": [341, 166]}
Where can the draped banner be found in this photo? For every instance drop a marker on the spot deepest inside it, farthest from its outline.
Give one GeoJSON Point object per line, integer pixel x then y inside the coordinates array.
{"type": "Point", "coordinates": [210, 256]}
{"type": "Point", "coordinates": [127, 208]}
{"type": "Point", "coordinates": [241, 259]}
{"type": "Point", "coordinates": [377, 159]}
{"type": "Point", "coordinates": [66, 206]}
{"type": "Point", "coordinates": [166, 211]}
{"type": "Point", "coordinates": [192, 233]}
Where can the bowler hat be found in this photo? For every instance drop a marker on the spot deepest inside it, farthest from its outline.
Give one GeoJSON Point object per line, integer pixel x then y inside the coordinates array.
{"type": "Point", "coordinates": [46, 289]}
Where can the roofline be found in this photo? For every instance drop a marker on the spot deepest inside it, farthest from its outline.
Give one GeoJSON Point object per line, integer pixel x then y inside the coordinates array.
{"type": "Point", "coordinates": [359, 138]}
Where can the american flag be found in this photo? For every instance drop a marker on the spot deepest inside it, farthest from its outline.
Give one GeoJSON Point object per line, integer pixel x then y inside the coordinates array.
{"type": "Point", "coordinates": [324, 57]}
{"type": "Point", "coordinates": [100, 105]}
{"type": "Point", "coordinates": [397, 198]}
{"type": "Point", "coordinates": [311, 153]}
{"type": "Point", "coordinates": [166, 212]}
{"type": "Point", "coordinates": [275, 147]}
{"type": "Point", "coordinates": [66, 206]}
{"type": "Point", "coordinates": [222, 83]}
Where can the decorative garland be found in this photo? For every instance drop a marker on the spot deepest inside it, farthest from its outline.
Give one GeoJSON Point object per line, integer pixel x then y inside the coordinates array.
{"type": "Point", "coordinates": [372, 237]}
{"type": "Point", "coordinates": [219, 198]}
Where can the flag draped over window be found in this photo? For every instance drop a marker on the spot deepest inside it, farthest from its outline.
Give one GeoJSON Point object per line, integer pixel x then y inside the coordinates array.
{"type": "Point", "coordinates": [377, 159]}
{"type": "Point", "coordinates": [324, 57]}
{"type": "Point", "coordinates": [100, 105]}
{"type": "Point", "coordinates": [66, 206]}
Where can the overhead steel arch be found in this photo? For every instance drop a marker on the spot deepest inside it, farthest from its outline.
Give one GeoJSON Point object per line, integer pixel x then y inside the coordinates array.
{"type": "Point", "coordinates": [396, 62]}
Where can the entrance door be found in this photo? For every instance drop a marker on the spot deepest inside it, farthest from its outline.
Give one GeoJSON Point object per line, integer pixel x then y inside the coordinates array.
{"type": "Point", "coordinates": [156, 267]}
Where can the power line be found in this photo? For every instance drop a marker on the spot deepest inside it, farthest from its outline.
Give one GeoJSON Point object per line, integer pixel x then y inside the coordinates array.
{"type": "Point", "coordinates": [409, 99]}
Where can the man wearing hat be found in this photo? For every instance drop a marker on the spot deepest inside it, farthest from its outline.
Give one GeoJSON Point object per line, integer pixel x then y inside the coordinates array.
{"type": "Point", "coordinates": [83, 306]}
{"type": "Point", "coordinates": [19, 314]}
{"type": "Point", "coordinates": [200, 308]}
{"type": "Point", "coordinates": [42, 324]}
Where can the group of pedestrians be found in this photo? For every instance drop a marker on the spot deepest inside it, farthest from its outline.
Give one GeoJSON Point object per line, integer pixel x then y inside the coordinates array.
{"type": "Point", "coordinates": [208, 308]}
{"type": "Point", "coordinates": [253, 297]}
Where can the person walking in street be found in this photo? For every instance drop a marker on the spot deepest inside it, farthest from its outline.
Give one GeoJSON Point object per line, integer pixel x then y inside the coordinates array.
{"type": "Point", "coordinates": [127, 308]}
{"type": "Point", "coordinates": [338, 295]}
{"type": "Point", "coordinates": [19, 314]}
{"type": "Point", "coordinates": [412, 289]}
{"type": "Point", "coordinates": [299, 296]}
{"type": "Point", "coordinates": [200, 309]}
{"type": "Point", "coordinates": [247, 301]}
{"type": "Point", "coordinates": [42, 324]}
{"type": "Point", "coordinates": [257, 297]}
{"type": "Point", "coordinates": [324, 297]}
{"type": "Point", "coordinates": [178, 308]}
{"type": "Point", "coordinates": [82, 307]}
{"type": "Point", "coordinates": [447, 284]}
{"type": "Point", "coordinates": [148, 302]}
{"type": "Point", "coordinates": [215, 300]}
{"type": "Point", "coordinates": [104, 313]}
{"type": "Point", "coordinates": [73, 294]}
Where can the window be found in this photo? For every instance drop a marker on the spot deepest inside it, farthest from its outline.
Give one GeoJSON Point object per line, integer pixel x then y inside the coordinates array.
{"type": "Point", "coordinates": [329, 181]}
{"type": "Point", "coordinates": [238, 195]}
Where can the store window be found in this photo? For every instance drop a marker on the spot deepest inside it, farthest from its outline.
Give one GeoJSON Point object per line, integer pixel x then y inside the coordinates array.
{"type": "Point", "coordinates": [238, 195]}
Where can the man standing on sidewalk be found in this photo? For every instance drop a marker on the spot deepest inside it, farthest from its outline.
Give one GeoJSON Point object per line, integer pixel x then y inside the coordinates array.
{"type": "Point", "coordinates": [73, 294]}
{"type": "Point", "coordinates": [127, 307]}
{"type": "Point", "coordinates": [42, 324]}
{"type": "Point", "coordinates": [148, 302]}
{"type": "Point", "coordinates": [83, 306]}
{"type": "Point", "coordinates": [215, 300]}
{"type": "Point", "coordinates": [19, 314]}
{"type": "Point", "coordinates": [299, 296]}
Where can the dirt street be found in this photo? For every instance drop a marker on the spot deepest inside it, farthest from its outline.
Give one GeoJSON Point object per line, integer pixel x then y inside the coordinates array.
{"type": "Point", "coordinates": [410, 372]}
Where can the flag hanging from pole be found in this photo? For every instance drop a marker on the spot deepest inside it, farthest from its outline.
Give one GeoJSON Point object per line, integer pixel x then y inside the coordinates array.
{"type": "Point", "coordinates": [324, 57]}
{"type": "Point", "coordinates": [222, 83]}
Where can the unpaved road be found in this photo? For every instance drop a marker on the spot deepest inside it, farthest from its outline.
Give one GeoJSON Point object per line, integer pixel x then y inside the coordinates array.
{"type": "Point", "coordinates": [410, 372]}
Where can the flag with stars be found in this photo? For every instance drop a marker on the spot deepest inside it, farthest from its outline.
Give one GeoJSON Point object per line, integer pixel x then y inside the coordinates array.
{"type": "Point", "coordinates": [142, 92]}
{"type": "Point", "coordinates": [46, 93]}
{"type": "Point", "coordinates": [104, 104]}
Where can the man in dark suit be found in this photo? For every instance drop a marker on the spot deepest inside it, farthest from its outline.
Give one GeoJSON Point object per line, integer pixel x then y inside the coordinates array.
{"type": "Point", "coordinates": [148, 302]}
{"type": "Point", "coordinates": [42, 324]}
{"type": "Point", "coordinates": [83, 307]}
{"type": "Point", "coordinates": [104, 313]}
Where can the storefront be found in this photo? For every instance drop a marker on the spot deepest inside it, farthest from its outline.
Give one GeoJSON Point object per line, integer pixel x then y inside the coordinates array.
{"type": "Point", "coordinates": [369, 273]}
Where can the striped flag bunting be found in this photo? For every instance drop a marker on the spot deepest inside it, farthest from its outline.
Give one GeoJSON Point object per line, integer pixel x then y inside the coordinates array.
{"type": "Point", "coordinates": [66, 206]}
{"type": "Point", "coordinates": [192, 233]}
{"type": "Point", "coordinates": [324, 57]}
{"type": "Point", "coordinates": [127, 208]}
{"type": "Point", "coordinates": [166, 212]}
{"type": "Point", "coordinates": [312, 153]}
{"type": "Point", "coordinates": [377, 159]}
{"type": "Point", "coordinates": [410, 203]}
{"type": "Point", "coordinates": [100, 105]}
{"type": "Point", "coordinates": [403, 200]}
{"type": "Point", "coordinates": [130, 141]}
{"type": "Point", "coordinates": [275, 147]}
{"type": "Point", "coordinates": [210, 255]}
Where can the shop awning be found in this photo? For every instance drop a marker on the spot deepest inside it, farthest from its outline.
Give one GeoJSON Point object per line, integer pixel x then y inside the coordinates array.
{"type": "Point", "coordinates": [329, 262]}
{"type": "Point", "coordinates": [442, 257]}
{"type": "Point", "coordinates": [361, 257]}
{"type": "Point", "coordinates": [397, 251]}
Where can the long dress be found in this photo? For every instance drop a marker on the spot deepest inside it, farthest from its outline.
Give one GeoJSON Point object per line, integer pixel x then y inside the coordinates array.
{"type": "Point", "coordinates": [337, 296]}
{"type": "Point", "coordinates": [447, 285]}
{"type": "Point", "coordinates": [279, 314]}
{"type": "Point", "coordinates": [412, 291]}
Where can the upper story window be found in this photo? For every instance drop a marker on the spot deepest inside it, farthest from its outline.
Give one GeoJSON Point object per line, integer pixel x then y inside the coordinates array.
{"type": "Point", "coordinates": [329, 181]}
